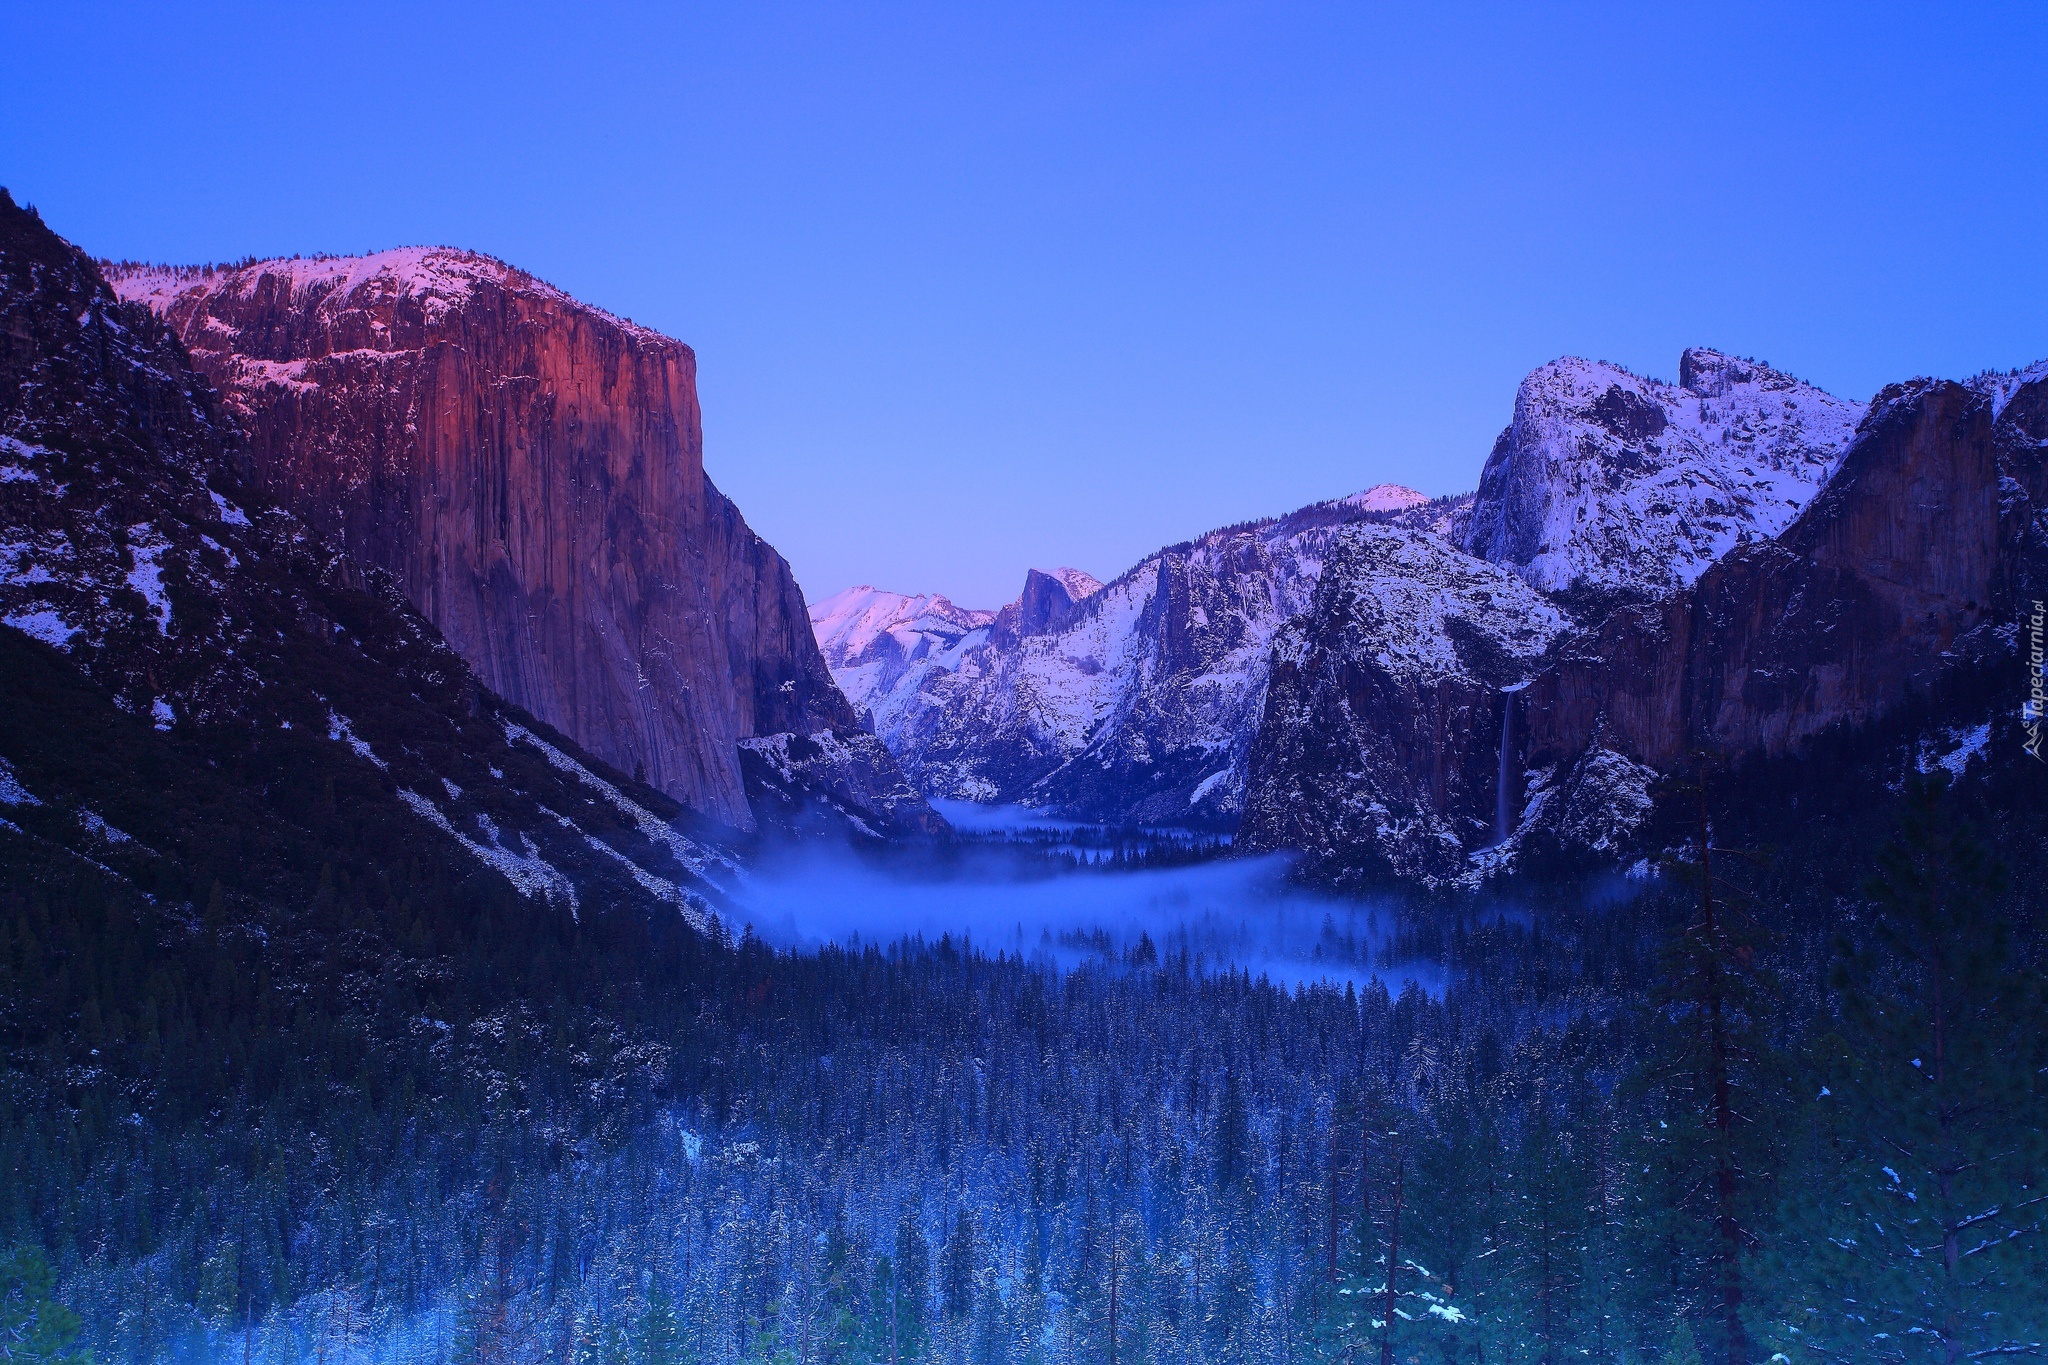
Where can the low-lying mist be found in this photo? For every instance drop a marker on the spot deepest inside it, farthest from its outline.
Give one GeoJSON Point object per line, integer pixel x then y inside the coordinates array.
{"type": "Point", "coordinates": [1005, 889]}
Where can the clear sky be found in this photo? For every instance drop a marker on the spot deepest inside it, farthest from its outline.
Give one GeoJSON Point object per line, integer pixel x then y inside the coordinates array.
{"type": "Point", "coordinates": [976, 287]}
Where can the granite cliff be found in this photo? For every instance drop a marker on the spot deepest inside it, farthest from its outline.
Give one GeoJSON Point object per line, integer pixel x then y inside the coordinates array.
{"type": "Point", "coordinates": [1650, 576]}
{"type": "Point", "coordinates": [529, 471]}
{"type": "Point", "coordinates": [1132, 702]}
{"type": "Point", "coordinates": [206, 705]}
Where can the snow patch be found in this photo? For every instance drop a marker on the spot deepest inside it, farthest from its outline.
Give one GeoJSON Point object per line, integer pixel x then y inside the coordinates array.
{"type": "Point", "coordinates": [530, 874]}
{"type": "Point", "coordinates": [341, 732]}
{"type": "Point", "coordinates": [229, 513]}
{"type": "Point", "coordinates": [690, 854]}
{"type": "Point", "coordinates": [44, 625]}
{"type": "Point", "coordinates": [12, 793]}
{"type": "Point", "coordinates": [146, 573]}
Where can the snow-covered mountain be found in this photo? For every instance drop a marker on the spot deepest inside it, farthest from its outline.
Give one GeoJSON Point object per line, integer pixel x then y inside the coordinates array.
{"type": "Point", "coordinates": [1133, 701]}
{"type": "Point", "coordinates": [1646, 569]}
{"type": "Point", "coordinates": [1609, 486]}
{"type": "Point", "coordinates": [1376, 753]}
{"type": "Point", "coordinates": [1739, 597]}
{"type": "Point", "coordinates": [871, 638]}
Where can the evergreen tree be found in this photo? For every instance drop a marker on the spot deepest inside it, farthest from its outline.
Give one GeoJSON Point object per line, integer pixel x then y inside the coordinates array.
{"type": "Point", "coordinates": [912, 1286]}
{"type": "Point", "coordinates": [843, 1339]}
{"type": "Point", "coordinates": [1916, 1226]}
{"type": "Point", "coordinates": [1683, 1350]}
{"type": "Point", "coordinates": [661, 1335]}
{"type": "Point", "coordinates": [959, 1257]}
{"type": "Point", "coordinates": [1709, 1084]}
{"type": "Point", "coordinates": [34, 1327]}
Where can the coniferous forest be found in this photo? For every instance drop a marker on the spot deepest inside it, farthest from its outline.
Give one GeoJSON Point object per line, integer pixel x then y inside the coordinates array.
{"type": "Point", "coordinates": [1556, 875]}
{"type": "Point", "coordinates": [1769, 1101]}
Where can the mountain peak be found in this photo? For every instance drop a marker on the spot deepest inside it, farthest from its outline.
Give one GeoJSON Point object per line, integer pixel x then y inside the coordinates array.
{"type": "Point", "coordinates": [442, 279]}
{"type": "Point", "coordinates": [1613, 483]}
{"type": "Point", "coordinates": [1385, 497]}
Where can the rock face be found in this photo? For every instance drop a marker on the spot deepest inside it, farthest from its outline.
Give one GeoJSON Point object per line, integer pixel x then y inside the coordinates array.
{"type": "Point", "coordinates": [870, 639]}
{"type": "Point", "coordinates": [1378, 753]}
{"type": "Point", "coordinates": [529, 470]}
{"type": "Point", "coordinates": [1134, 702]}
{"type": "Point", "coordinates": [1732, 566]}
{"type": "Point", "coordinates": [1904, 568]}
{"type": "Point", "coordinates": [834, 782]}
{"type": "Point", "coordinates": [196, 684]}
{"type": "Point", "coordinates": [1610, 487]}
{"type": "Point", "coordinates": [1047, 600]}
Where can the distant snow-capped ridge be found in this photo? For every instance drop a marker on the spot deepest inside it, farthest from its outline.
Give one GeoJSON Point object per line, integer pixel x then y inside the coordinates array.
{"type": "Point", "coordinates": [1385, 497]}
{"type": "Point", "coordinates": [1132, 701]}
{"type": "Point", "coordinates": [442, 277]}
{"type": "Point", "coordinates": [851, 624]}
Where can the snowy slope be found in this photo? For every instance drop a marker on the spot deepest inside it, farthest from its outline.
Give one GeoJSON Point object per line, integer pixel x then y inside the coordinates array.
{"type": "Point", "coordinates": [442, 278]}
{"type": "Point", "coordinates": [1612, 486]}
{"type": "Point", "coordinates": [1379, 750]}
{"type": "Point", "coordinates": [2002, 385]}
{"type": "Point", "coordinates": [1134, 702]}
{"type": "Point", "coordinates": [870, 638]}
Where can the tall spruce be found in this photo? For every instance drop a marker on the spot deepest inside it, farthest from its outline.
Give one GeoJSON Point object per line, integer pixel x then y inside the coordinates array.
{"type": "Point", "coordinates": [1917, 1222]}
{"type": "Point", "coordinates": [1711, 1081]}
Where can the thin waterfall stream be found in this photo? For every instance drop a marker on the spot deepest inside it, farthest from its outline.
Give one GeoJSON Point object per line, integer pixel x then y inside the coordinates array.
{"type": "Point", "coordinates": [1500, 789]}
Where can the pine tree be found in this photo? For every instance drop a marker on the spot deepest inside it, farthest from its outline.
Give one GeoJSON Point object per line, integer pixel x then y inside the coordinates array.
{"type": "Point", "coordinates": [911, 1287]}
{"type": "Point", "coordinates": [1711, 1080]}
{"type": "Point", "coordinates": [34, 1327]}
{"type": "Point", "coordinates": [1916, 1222]}
{"type": "Point", "coordinates": [1683, 1350]}
{"type": "Point", "coordinates": [661, 1335]}
{"type": "Point", "coordinates": [957, 1277]}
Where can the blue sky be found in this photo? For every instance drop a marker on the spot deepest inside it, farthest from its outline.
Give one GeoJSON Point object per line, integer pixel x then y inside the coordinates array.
{"type": "Point", "coordinates": [979, 287]}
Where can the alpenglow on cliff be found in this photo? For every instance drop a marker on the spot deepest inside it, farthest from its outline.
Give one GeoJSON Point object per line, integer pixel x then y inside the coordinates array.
{"type": "Point", "coordinates": [530, 471]}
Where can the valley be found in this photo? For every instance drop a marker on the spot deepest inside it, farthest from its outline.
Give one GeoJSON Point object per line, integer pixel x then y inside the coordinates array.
{"type": "Point", "coordinates": [460, 901]}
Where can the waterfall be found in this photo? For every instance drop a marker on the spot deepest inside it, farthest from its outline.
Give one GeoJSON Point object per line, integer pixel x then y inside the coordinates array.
{"type": "Point", "coordinates": [1500, 790]}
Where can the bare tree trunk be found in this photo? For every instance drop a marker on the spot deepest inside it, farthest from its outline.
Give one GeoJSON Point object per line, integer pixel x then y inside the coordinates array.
{"type": "Point", "coordinates": [1393, 1261]}
{"type": "Point", "coordinates": [1115, 1265]}
{"type": "Point", "coordinates": [1726, 1177]}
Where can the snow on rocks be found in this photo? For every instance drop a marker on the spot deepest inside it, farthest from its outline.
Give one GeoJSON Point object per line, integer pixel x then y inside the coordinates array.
{"type": "Point", "coordinates": [1379, 750]}
{"type": "Point", "coordinates": [441, 278]}
{"type": "Point", "coordinates": [832, 782]}
{"type": "Point", "coordinates": [871, 639]}
{"type": "Point", "coordinates": [341, 732]}
{"type": "Point", "coordinates": [146, 573]}
{"type": "Point", "coordinates": [698, 858]}
{"type": "Point", "coordinates": [1386, 497]}
{"type": "Point", "coordinates": [530, 874]}
{"type": "Point", "coordinates": [12, 793]}
{"type": "Point", "coordinates": [1611, 485]}
{"type": "Point", "coordinates": [1133, 702]}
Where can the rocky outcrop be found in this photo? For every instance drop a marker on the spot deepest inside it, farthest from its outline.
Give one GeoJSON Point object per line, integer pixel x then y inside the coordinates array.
{"type": "Point", "coordinates": [1048, 599]}
{"type": "Point", "coordinates": [1904, 568]}
{"type": "Point", "coordinates": [833, 783]}
{"type": "Point", "coordinates": [529, 470]}
{"type": "Point", "coordinates": [1378, 754]}
{"type": "Point", "coordinates": [872, 639]}
{"type": "Point", "coordinates": [1609, 487]}
{"type": "Point", "coordinates": [1133, 702]}
{"type": "Point", "coordinates": [1746, 572]}
{"type": "Point", "coordinates": [201, 693]}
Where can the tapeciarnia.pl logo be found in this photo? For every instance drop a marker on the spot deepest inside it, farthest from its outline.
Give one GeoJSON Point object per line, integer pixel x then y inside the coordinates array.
{"type": "Point", "coordinates": [2037, 685]}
